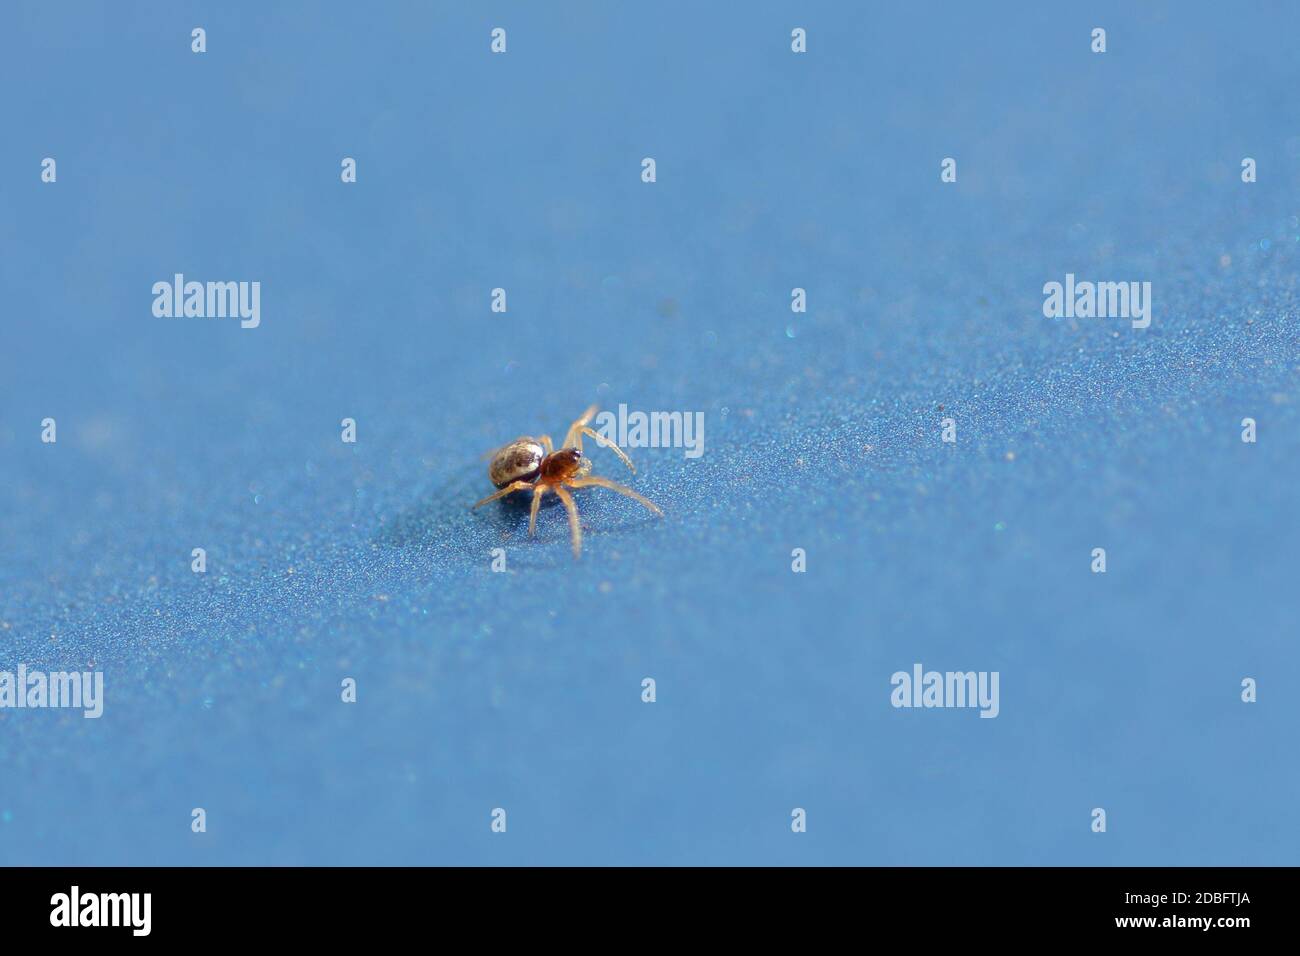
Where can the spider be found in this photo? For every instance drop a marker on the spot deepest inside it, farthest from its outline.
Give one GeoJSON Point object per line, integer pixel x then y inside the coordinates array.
{"type": "Point", "coordinates": [532, 464]}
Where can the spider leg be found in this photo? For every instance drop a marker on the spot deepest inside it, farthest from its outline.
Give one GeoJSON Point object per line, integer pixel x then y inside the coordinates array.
{"type": "Point", "coordinates": [598, 482]}
{"type": "Point", "coordinates": [546, 443]}
{"type": "Point", "coordinates": [508, 489]}
{"type": "Point", "coordinates": [539, 492]}
{"type": "Point", "coordinates": [575, 529]}
{"type": "Point", "coordinates": [579, 428]}
{"type": "Point", "coordinates": [604, 442]}
{"type": "Point", "coordinates": [575, 430]}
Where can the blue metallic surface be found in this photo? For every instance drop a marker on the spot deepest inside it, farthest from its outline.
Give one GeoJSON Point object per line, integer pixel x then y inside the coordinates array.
{"type": "Point", "coordinates": [522, 690]}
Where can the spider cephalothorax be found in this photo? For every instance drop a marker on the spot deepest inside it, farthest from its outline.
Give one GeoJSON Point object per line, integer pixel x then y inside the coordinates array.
{"type": "Point", "coordinates": [532, 464]}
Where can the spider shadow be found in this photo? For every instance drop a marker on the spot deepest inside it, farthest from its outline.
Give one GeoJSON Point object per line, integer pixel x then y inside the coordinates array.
{"type": "Point", "coordinates": [443, 523]}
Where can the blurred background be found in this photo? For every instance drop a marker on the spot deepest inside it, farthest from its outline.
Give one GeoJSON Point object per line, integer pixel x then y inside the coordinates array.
{"type": "Point", "coordinates": [522, 690]}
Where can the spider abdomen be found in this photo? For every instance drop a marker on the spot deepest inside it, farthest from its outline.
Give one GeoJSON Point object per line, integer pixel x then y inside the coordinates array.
{"type": "Point", "coordinates": [521, 460]}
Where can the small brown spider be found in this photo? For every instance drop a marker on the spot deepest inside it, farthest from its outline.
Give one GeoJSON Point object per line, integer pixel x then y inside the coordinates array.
{"type": "Point", "coordinates": [532, 464]}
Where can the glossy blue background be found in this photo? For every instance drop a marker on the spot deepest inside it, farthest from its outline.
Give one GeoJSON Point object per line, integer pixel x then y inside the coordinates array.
{"type": "Point", "coordinates": [522, 690]}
